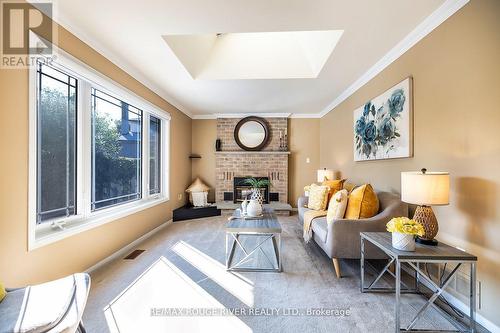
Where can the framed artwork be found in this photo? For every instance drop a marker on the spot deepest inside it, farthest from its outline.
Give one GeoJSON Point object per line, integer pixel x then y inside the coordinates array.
{"type": "Point", "coordinates": [383, 127]}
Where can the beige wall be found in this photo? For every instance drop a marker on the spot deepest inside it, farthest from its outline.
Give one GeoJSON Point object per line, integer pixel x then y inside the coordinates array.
{"type": "Point", "coordinates": [456, 76]}
{"type": "Point", "coordinates": [303, 140]}
{"type": "Point", "coordinates": [76, 253]}
{"type": "Point", "coordinates": [203, 143]}
{"type": "Point", "coordinates": [304, 144]}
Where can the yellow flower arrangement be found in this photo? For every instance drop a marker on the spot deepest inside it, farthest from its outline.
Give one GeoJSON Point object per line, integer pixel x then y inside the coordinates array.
{"type": "Point", "coordinates": [405, 225]}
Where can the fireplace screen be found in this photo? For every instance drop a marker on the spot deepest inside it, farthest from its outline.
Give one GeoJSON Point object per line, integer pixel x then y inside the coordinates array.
{"type": "Point", "coordinates": [243, 191]}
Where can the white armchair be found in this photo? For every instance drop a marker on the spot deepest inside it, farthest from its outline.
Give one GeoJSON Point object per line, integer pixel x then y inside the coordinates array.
{"type": "Point", "coordinates": [54, 307]}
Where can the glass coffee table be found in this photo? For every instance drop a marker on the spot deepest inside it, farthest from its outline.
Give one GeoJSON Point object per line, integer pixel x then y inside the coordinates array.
{"type": "Point", "coordinates": [252, 236]}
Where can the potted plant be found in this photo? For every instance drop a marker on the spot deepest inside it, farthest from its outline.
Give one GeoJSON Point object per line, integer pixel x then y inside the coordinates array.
{"type": "Point", "coordinates": [403, 232]}
{"type": "Point", "coordinates": [256, 184]}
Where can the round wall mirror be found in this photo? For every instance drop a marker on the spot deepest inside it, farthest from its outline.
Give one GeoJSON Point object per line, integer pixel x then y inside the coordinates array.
{"type": "Point", "coordinates": [251, 133]}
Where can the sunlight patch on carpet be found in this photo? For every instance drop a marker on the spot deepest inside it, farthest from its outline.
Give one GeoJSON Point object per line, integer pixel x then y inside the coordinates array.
{"type": "Point", "coordinates": [164, 286]}
{"type": "Point", "coordinates": [236, 284]}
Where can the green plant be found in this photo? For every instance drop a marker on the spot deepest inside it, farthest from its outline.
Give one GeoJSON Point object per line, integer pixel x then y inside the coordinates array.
{"type": "Point", "coordinates": [257, 183]}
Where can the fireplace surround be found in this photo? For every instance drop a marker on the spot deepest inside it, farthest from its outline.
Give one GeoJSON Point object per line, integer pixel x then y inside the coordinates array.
{"type": "Point", "coordinates": [242, 191]}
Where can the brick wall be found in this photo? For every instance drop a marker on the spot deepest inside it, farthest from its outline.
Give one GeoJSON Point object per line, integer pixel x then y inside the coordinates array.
{"type": "Point", "coordinates": [232, 161]}
{"type": "Point", "coordinates": [226, 126]}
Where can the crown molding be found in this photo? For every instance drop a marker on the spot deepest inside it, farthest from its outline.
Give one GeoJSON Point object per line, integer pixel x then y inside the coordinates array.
{"type": "Point", "coordinates": [204, 116]}
{"type": "Point", "coordinates": [240, 115]}
{"type": "Point", "coordinates": [447, 9]}
{"type": "Point", "coordinates": [265, 115]}
{"type": "Point", "coordinates": [118, 61]}
{"type": "Point", "coordinates": [305, 115]}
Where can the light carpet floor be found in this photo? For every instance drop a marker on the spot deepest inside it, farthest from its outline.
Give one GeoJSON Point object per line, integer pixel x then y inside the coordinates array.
{"type": "Point", "coordinates": [183, 267]}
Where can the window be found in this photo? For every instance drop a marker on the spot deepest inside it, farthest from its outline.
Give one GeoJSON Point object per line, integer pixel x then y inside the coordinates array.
{"type": "Point", "coordinates": [97, 151]}
{"type": "Point", "coordinates": [154, 155]}
{"type": "Point", "coordinates": [56, 153]}
{"type": "Point", "coordinates": [116, 151]}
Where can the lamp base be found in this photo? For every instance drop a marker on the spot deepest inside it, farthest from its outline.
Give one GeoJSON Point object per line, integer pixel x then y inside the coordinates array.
{"type": "Point", "coordinates": [425, 216]}
{"type": "Point", "coordinates": [432, 242]}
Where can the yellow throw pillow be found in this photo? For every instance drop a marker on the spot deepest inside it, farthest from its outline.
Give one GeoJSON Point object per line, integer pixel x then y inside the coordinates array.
{"type": "Point", "coordinates": [363, 203]}
{"type": "Point", "coordinates": [337, 206]}
{"type": "Point", "coordinates": [318, 197]}
{"type": "Point", "coordinates": [2, 291]}
{"type": "Point", "coordinates": [349, 187]}
{"type": "Point", "coordinates": [334, 185]}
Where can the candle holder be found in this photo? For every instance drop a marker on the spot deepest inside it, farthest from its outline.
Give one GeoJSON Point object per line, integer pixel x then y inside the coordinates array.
{"type": "Point", "coordinates": [283, 141]}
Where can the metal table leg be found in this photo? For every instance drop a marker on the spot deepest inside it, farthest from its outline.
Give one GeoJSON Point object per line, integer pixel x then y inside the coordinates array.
{"type": "Point", "coordinates": [362, 263]}
{"type": "Point", "coordinates": [398, 296]}
{"type": "Point", "coordinates": [281, 265]}
{"type": "Point", "coordinates": [277, 250]}
{"type": "Point", "coordinates": [472, 300]}
{"type": "Point", "coordinates": [417, 278]}
{"type": "Point", "coordinates": [229, 257]}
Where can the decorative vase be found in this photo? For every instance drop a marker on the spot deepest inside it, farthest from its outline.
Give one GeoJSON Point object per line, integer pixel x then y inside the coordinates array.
{"type": "Point", "coordinates": [257, 195]}
{"type": "Point", "coordinates": [254, 208]}
{"type": "Point", "coordinates": [244, 205]}
{"type": "Point", "coordinates": [403, 242]}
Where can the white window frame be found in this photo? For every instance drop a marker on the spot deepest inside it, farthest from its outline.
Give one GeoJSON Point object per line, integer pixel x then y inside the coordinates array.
{"type": "Point", "coordinates": [85, 219]}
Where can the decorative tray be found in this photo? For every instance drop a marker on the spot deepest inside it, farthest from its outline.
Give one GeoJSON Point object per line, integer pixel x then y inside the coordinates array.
{"type": "Point", "coordinates": [245, 217]}
{"type": "Point", "coordinates": [248, 217]}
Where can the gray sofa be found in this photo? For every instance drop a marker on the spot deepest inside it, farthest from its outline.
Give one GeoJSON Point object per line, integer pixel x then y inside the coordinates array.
{"type": "Point", "coordinates": [340, 239]}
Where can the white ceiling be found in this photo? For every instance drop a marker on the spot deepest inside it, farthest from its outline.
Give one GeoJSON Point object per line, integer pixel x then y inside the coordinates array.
{"type": "Point", "coordinates": [131, 34]}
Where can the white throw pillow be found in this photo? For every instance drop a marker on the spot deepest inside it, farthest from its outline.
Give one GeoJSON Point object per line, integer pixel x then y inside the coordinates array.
{"type": "Point", "coordinates": [337, 206]}
{"type": "Point", "coordinates": [199, 198]}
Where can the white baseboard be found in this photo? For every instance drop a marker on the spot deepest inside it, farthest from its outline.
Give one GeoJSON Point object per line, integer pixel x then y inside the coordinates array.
{"type": "Point", "coordinates": [121, 252]}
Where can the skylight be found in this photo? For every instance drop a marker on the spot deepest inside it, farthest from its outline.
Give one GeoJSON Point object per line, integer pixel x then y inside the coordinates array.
{"type": "Point", "coordinates": [256, 55]}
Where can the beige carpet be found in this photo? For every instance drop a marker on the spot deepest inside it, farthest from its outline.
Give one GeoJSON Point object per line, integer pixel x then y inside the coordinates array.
{"type": "Point", "coordinates": [183, 270]}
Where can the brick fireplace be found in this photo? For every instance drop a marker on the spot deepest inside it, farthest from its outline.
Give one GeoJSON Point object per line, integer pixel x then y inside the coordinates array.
{"type": "Point", "coordinates": [232, 161]}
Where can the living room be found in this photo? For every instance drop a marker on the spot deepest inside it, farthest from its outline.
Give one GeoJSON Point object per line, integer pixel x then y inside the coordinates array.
{"type": "Point", "coordinates": [262, 166]}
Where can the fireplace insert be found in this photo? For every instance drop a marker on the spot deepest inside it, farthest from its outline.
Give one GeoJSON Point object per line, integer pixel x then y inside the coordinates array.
{"type": "Point", "coordinates": [243, 191]}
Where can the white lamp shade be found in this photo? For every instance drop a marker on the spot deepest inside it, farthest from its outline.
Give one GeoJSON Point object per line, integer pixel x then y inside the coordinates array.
{"type": "Point", "coordinates": [430, 188]}
{"type": "Point", "coordinates": [325, 173]}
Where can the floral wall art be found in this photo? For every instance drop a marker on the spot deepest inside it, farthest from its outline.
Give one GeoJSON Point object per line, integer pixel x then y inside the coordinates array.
{"type": "Point", "coordinates": [383, 126]}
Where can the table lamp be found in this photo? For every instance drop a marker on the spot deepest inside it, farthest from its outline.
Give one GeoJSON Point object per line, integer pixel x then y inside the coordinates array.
{"type": "Point", "coordinates": [426, 189]}
{"type": "Point", "coordinates": [324, 174]}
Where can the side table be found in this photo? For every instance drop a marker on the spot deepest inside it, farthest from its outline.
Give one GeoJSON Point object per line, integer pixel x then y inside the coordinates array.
{"type": "Point", "coordinates": [423, 254]}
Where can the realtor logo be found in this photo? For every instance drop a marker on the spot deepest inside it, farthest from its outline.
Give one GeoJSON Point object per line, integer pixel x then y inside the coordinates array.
{"type": "Point", "coordinates": [27, 33]}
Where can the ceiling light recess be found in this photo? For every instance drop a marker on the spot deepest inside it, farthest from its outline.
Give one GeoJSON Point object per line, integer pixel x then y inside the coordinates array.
{"type": "Point", "coordinates": [255, 55]}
